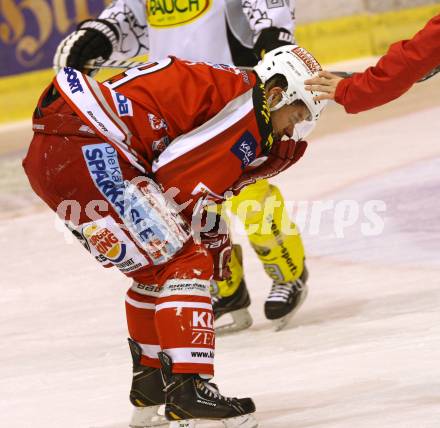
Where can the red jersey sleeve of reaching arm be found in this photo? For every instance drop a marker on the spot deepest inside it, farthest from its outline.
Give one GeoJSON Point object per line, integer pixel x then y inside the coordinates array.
{"type": "Point", "coordinates": [404, 63]}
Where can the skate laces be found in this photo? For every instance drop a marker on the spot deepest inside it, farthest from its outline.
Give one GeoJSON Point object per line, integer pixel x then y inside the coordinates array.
{"type": "Point", "coordinates": [210, 389]}
{"type": "Point", "coordinates": [281, 291]}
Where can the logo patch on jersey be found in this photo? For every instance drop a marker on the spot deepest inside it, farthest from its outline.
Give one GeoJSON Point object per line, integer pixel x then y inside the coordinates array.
{"type": "Point", "coordinates": [106, 243]}
{"type": "Point", "coordinates": [245, 149]}
{"type": "Point", "coordinates": [146, 289]}
{"type": "Point", "coordinates": [157, 123]}
{"type": "Point", "coordinates": [172, 13]}
{"type": "Point", "coordinates": [122, 104]}
{"type": "Point", "coordinates": [160, 145]}
{"type": "Point", "coordinates": [73, 80]}
{"type": "Point", "coordinates": [157, 230]}
{"type": "Point", "coordinates": [103, 165]}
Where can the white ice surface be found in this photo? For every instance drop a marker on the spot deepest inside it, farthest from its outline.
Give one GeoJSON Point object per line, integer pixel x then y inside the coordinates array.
{"type": "Point", "coordinates": [363, 352]}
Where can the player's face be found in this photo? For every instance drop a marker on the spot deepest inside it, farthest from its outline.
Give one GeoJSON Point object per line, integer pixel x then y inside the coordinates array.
{"type": "Point", "coordinates": [287, 117]}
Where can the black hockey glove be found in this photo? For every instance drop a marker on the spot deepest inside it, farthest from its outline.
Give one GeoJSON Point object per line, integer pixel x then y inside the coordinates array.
{"type": "Point", "coordinates": [94, 39]}
{"type": "Point", "coordinates": [272, 38]}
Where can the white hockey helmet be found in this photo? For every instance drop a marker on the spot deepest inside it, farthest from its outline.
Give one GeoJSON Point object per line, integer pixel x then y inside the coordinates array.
{"type": "Point", "coordinates": [296, 64]}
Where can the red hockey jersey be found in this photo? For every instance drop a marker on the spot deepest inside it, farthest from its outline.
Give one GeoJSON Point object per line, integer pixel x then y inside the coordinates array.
{"type": "Point", "coordinates": [195, 126]}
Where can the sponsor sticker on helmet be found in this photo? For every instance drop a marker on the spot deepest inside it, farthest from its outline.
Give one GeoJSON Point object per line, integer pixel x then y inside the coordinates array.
{"type": "Point", "coordinates": [308, 59]}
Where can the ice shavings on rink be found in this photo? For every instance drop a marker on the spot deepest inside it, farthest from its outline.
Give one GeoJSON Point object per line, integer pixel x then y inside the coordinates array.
{"type": "Point", "coordinates": [363, 351]}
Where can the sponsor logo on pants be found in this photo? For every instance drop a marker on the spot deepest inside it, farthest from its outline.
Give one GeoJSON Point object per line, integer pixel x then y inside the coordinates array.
{"type": "Point", "coordinates": [202, 328]}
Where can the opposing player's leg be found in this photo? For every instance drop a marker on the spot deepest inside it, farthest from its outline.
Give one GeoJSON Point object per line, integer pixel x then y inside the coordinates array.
{"type": "Point", "coordinates": [231, 297]}
{"type": "Point", "coordinates": [277, 243]}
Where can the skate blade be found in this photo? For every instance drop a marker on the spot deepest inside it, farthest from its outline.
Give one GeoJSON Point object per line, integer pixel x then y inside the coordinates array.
{"type": "Point", "coordinates": [280, 323]}
{"type": "Point", "coordinates": [241, 320]}
{"type": "Point", "coordinates": [147, 417]}
{"type": "Point", "coordinates": [244, 421]}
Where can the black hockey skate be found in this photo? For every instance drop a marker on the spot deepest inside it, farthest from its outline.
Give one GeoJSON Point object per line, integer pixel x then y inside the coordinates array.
{"type": "Point", "coordinates": [236, 305]}
{"type": "Point", "coordinates": [147, 392]}
{"type": "Point", "coordinates": [284, 300]}
{"type": "Point", "coordinates": [190, 398]}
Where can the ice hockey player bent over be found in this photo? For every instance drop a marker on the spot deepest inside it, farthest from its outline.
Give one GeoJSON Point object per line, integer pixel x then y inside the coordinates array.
{"type": "Point", "coordinates": [225, 32]}
{"type": "Point", "coordinates": [109, 157]}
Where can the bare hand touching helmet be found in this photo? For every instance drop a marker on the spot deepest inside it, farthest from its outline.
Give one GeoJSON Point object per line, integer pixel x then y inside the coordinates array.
{"type": "Point", "coordinates": [325, 83]}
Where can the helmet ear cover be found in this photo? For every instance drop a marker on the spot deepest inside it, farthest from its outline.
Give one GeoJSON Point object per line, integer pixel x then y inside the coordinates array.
{"type": "Point", "coordinates": [282, 102]}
